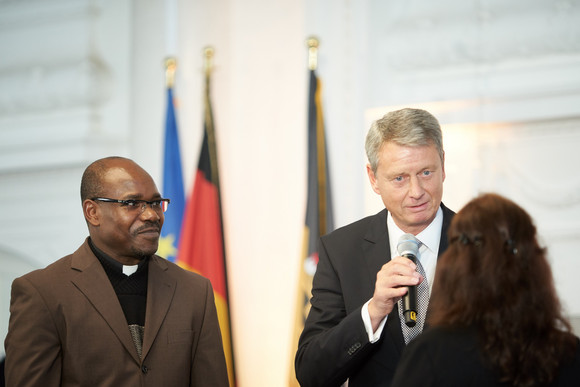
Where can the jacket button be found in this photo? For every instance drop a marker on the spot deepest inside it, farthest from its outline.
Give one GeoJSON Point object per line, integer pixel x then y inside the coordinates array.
{"type": "Point", "coordinates": [354, 348]}
{"type": "Point", "coordinates": [144, 369]}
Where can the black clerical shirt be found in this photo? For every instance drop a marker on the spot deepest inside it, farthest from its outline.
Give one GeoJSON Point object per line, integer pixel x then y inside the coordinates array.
{"type": "Point", "coordinates": [131, 291]}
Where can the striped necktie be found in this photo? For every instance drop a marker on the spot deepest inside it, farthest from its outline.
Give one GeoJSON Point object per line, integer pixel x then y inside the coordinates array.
{"type": "Point", "coordinates": [422, 304]}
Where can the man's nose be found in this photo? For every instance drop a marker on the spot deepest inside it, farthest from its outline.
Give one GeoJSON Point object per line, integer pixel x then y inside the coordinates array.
{"type": "Point", "coordinates": [416, 187]}
{"type": "Point", "coordinates": [149, 212]}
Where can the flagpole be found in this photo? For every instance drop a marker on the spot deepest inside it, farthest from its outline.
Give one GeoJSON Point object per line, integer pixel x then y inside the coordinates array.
{"type": "Point", "coordinates": [208, 53]}
{"type": "Point", "coordinates": [170, 67]}
{"type": "Point", "coordinates": [312, 52]}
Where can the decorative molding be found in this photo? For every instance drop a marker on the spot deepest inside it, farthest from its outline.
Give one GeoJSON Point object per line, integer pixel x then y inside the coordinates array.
{"type": "Point", "coordinates": [451, 33]}
{"type": "Point", "coordinates": [56, 87]}
{"type": "Point", "coordinates": [532, 160]}
{"type": "Point", "coordinates": [18, 14]}
{"type": "Point", "coordinates": [86, 82]}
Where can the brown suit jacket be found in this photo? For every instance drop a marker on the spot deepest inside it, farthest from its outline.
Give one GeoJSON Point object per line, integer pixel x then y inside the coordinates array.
{"type": "Point", "coordinates": [67, 328]}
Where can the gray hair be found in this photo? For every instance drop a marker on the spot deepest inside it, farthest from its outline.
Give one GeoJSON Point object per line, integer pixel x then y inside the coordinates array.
{"type": "Point", "coordinates": [406, 127]}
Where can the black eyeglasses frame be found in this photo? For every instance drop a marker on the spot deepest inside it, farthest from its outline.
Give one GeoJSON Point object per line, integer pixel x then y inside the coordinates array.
{"type": "Point", "coordinates": [137, 203]}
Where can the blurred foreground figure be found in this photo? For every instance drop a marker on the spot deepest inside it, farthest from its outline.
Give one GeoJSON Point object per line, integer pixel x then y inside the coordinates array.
{"type": "Point", "coordinates": [494, 317]}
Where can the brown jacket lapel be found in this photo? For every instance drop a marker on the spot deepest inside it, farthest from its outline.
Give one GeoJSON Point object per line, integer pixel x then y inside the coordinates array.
{"type": "Point", "coordinates": [160, 291]}
{"type": "Point", "coordinates": [91, 280]}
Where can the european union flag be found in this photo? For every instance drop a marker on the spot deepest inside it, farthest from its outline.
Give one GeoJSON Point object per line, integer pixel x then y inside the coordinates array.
{"type": "Point", "coordinates": [172, 185]}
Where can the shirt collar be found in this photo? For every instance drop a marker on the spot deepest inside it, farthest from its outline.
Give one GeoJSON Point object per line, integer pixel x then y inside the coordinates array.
{"type": "Point", "coordinates": [430, 236]}
{"type": "Point", "coordinates": [115, 265]}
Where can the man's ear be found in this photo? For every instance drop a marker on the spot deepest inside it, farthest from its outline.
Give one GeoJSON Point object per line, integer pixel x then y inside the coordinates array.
{"type": "Point", "coordinates": [92, 212]}
{"type": "Point", "coordinates": [443, 166]}
{"type": "Point", "coordinates": [373, 179]}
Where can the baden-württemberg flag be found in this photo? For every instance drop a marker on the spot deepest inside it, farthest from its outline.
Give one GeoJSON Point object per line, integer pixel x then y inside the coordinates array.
{"type": "Point", "coordinates": [319, 218]}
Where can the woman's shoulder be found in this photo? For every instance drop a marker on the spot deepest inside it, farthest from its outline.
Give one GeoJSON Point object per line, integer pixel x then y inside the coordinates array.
{"type": "Point", "coordinates": [447, 341]}
{"type": "Point", "coordinates": [569, 372]}
{"type": "Point", "coordinates": [449, 355]}
{"type": "Point", "coordinates": [449, 334]}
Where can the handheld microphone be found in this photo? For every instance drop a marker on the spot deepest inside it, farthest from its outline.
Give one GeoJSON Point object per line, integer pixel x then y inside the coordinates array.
{"type": "Point", "coordinates": [408, 247]}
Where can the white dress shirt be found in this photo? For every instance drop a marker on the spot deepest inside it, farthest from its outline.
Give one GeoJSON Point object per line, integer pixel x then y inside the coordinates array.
{"type": "Point", "coordinates": [430, 238]}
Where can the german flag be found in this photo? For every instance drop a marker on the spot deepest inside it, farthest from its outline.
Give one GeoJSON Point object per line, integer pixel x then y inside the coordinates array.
{"type": "Point", "coordinates": [319, 218]}
{"type": "Point", "coordinates": [202, 244]}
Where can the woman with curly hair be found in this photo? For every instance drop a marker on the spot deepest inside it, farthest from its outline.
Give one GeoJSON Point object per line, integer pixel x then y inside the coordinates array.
{"type": "Point", "coordinates": [494, 316]}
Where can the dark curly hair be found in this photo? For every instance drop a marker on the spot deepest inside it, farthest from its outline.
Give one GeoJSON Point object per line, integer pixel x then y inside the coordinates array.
{"type": "Point", "coordinates": [495, 277]}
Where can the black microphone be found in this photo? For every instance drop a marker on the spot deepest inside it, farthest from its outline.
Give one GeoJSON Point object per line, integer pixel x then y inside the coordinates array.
{"type": "Point", "coordinates": [408, 247]}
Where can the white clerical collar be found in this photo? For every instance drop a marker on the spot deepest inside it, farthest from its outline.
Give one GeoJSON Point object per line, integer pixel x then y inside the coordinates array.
{"type": "Point", "coordinates": [130, 269]}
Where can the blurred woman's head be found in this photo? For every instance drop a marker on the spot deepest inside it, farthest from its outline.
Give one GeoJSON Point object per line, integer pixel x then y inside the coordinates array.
{"type": "Point", "coordinates": [495, 277]}
{"type": "Point", "coordinates": [494, 264]}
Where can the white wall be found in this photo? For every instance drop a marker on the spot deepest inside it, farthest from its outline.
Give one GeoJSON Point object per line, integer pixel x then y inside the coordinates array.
{"type": "Point", "coordinates": [80, 79]}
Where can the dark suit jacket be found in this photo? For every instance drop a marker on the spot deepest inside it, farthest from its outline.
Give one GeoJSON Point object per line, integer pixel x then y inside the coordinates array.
{"type": "Point", "coordinates": [334, 345]}
{"type": "Point", "coordinates": [448, 357]}
{"type": "Point", "coordinates": [67, 328]}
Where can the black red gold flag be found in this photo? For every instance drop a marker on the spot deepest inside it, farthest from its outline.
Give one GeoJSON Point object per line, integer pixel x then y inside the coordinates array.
{"type": "Point", "coordinates": [202, 246]}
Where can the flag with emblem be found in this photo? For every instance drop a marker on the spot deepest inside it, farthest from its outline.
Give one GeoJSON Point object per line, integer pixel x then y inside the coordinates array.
{"type": "Point", "coordinates": [319, 218]}
{"type": "Point", "coordinates": [202, 244]}
{"type": "Point", "coordinates": [172, 179]}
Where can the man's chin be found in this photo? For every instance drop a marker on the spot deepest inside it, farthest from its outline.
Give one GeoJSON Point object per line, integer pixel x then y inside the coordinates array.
{"type": "Point", "coordinates": [419, 222]}
{"type": "Point", "coordinates": [144, 252]}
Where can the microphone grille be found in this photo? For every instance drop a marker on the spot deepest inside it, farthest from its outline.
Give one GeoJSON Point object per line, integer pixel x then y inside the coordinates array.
{"type": "Point", "coordinates": [408, 244]}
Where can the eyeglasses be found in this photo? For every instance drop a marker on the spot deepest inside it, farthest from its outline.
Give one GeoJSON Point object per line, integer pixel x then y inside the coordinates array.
{"type": "Point", "coordinates": [157, 205]}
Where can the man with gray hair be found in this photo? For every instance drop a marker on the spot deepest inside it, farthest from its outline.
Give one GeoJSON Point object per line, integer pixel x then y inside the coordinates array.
{"type": "Point", "coordinates": [355, 330]}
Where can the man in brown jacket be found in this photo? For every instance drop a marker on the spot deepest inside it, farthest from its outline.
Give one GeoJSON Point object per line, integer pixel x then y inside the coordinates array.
{"type": "Point", "coordinates": [113, 313]}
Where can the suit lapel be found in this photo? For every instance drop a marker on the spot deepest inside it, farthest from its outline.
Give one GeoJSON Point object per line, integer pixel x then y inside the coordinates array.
{"type": "Point", "coordinates": [160, 290]}
{"type": "Point", "coordinates": [91, 280]}
{"type": "Point", "coordinates": [377, 252]}
{"type": "Point", "coordinates": [375, 245]}
{"type": "Point", "coordinates": [444, 242]}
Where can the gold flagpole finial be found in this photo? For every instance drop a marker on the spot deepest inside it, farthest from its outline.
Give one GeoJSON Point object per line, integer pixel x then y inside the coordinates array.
{"type": "Point", "coordinates": [170, 67]}
{"type": "Point", "coordinates": [312, 52]}
{"type": "Point", "coordinates": [208, 54]}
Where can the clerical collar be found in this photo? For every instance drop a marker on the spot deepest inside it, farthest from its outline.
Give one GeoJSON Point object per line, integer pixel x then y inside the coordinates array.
{"type": "Point", "coordinates": [117, 266]}
{"type": "Point", "coordinates": [130, 269]}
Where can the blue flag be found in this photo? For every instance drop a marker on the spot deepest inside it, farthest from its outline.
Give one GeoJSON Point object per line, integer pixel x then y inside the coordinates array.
{"type": "Point", "coordinates": [172, 185]}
